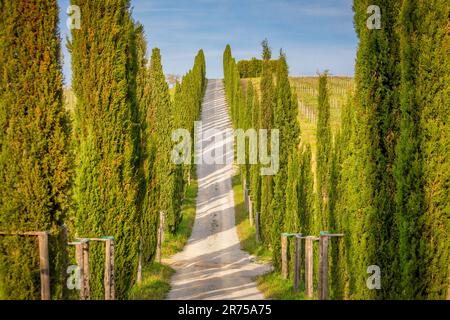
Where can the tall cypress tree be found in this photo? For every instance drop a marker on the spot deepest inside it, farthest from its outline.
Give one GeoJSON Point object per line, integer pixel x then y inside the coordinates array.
{"type": "Point", "coordinates": [34, 161]}
{"type": "Point", "coordinates": [107, 137]}
{"type": "Point", "coordinates": [324, 154]}
{"type": "Point", "coordinates": [147, 195]}
{"type": "Point", "coordinates": [285, 119]}
{"type": "Point", "coordinates": [408, 164]}
{"type": "Point", "coordinates": [377, 101]}
{"type": "Point", "coordinates": [255, 177]}
{"type": "Point", "coordinates": [164, 168]}
{"type": "Point", "coordinates": [422, 224]}
{"type": "Point", "coordinates": [433, 87]}
{"type": "Point", "coordinates": [266, 122]}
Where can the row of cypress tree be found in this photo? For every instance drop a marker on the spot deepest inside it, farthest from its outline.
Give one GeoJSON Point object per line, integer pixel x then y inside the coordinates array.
{"type": "Point", "coordinates": [383, 178]}
{"type": "Point", "coordinates": [103, 170]}
{"type": "Point", "coordinates": [393, 151]}
{"type": "Point", "coordinates": [277, 108]}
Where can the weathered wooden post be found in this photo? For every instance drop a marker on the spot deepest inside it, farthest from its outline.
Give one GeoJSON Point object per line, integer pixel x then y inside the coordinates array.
{"type": "Point", "coordinates": [323, 263]}
{"type": "Point", "coordinates": [139, 271]}
{"type": "Point", "coordinates": [297, 261]}
{"type": "Point", "coordinates": [250, 211]}
{"type": "Point", "coordinates": [87, 287]}
{"type": "Point", "coordinates": [160, 236]}
{"type": "Point", "coordinates": [309, 249]}
{"type": "Point", "coordinates": [323, 267]}
{"type": "Point", "coordinates": [44, 265]}
{"type": "Point", "coordinates": [109, 282]}
{"type": "Point", "coordinates": [82, 259]}
{"type": "Point", "coordinates": [284, 262]}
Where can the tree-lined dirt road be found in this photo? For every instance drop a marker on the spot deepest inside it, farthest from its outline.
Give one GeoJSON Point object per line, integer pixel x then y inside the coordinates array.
{"type": "Point", "coordinates": [212, 265]}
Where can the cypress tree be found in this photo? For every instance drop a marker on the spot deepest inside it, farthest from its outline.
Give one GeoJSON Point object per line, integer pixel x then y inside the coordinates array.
{"type": "Point", "coordinates": [148, 218]}
{"type": "Point", "coordinates": [305, 192]}
{"type": "Point", "coordinates": [164, 168]}
{"type": "Point", "coordinates": [285, 119]}
{"type": "Point", "coordinates": [423, 250]}
{"type": "Point", "coordinates": [408, 164]}
{"type": "Point", "coordinates": [324, 154]}
{"type": "Point", "coordinates": [107, 138]}
{"type": "Point", "coordinates": [433, 87]}
{"type": "Point", "coordinates": [255, 177]}
{"type": "Point", "coordinates": [34, 158]}
{"type": "Point", "coordinates": [266, 122]}
{"type": "Point", "coordinates": [377, 101]}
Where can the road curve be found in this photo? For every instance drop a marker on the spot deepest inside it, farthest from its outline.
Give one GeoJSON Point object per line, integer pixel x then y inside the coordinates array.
{"type": "Point", "coordinates": [212, 264]}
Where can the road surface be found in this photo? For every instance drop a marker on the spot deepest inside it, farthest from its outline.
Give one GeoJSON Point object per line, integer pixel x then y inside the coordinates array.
{"type": "Point", "coordinates": [212, 265]}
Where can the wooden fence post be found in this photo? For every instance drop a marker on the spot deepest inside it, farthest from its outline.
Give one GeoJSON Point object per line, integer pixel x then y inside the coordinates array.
{"type": "Point", "coordinates": [109, 269]}
{"type": "Point", "coordinates": [309, 265]}
{"type": "Point", "coordinates": [160, 236]}
{"type": "Point", "coordinates": [284, 262]}
{"type": "Point", "coordinates": [87, 288]}
{"type": "Point", "coordinates": [323, 263]}
{"type": "Point", "coordinates": [297, 261]}
{"type": "Point", "coordinates": [44, 265]}
{"type": "Point", "coordinates": [258, 236]}
{"type": "Point", "coordinates": [323, 267]}
{"type": "Point", "coordinates": [79, 259]}
{"type": "Point", "coordinates": [250, 211]}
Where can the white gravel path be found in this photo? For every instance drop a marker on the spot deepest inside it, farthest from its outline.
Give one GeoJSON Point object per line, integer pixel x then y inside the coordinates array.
{"type": "Point", "coordinates": [212, 265]}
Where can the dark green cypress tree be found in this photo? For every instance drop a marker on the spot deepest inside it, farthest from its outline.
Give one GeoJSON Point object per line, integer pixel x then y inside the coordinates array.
{"type": "Point", "coordinates": [285, 120]}
{"type": "Point", "coordinates": [433, 88]}
{"type": "Point", "coordinates": [266, 122]}
{"type": "Point", "coordinates": [408, 163]}
{"type": "Point", "coordinates": [425, 63]}
{"type": "Point", "coordinates": [164, 168]}
{"type": "Point", "coordinates": [305, 194]}
{"type": "Point", "coordinates": [377, 102]}
{"type": "Point", "coordinates": [148, 217]}
{"type": "Point", "coordinates": [34, 158]}
{"type": "Point", "coordinates": [324, 155]}
{"type": "Point", "coordinates": [255, 177]}
{"type": "Point", "coordinates": [107, 138]}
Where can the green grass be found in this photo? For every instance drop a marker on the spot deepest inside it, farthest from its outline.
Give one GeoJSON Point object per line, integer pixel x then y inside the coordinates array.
{"type": "Point", "coordinates": [274, 287]}
{"type": "Point", "coordinates": [155, 283]}
{"type": "Point", "coordinates": [156, 277]}
{"type": "Point", "coordinates": [246, 233]}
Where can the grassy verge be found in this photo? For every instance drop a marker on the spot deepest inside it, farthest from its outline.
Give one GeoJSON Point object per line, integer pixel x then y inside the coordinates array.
{"type": "Point", "coordinates": [274, 287]}
{"type": "Point", "coordinates": [155, 283]}
{"type": "Point", "coordinates": [156, 277]}
{"type": "Point", "coordinates": [246, 233]}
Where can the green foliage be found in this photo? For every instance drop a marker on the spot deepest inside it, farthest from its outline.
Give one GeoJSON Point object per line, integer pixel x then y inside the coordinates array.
{"type": "Point", "coordinates": [253, 68]}
{"type": "Point", "coordinates": [324, 155]}
{"type": "Point", "coordinates": [285, 120]}
{"type": "Point", "coordinates": [107, 138]}
{"type": "Point", "coordinates": [34, 157]}
{"type": "Point", "coordinates": [155, 283]}
{"type": "Point", "coordinates": [422, 197]}
{"type": "Point", "coordinates": [266, 122]}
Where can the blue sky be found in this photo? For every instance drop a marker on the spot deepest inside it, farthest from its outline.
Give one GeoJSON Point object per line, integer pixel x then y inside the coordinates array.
{"type": "Point", "coordinates": [315, 34]}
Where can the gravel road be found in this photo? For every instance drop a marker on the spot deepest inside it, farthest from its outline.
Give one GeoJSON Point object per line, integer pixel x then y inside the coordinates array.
{"type": "Point", "coordinates": [212, 264]}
